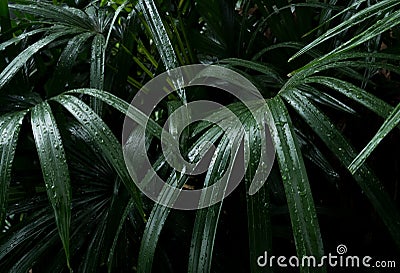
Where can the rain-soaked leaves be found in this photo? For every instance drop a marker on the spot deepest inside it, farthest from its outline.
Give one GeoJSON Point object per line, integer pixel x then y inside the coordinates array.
{"type": "Point", "coordinates": [10, 125]}
{"type": "Point", "coordinates": [332, 76]}
{"type": "Point", "coordinates": [54, 168]}
{"type": "Point", "coordinates": [303, 216]}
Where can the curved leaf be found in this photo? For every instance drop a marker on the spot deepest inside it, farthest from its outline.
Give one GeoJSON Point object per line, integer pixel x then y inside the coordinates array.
{"type": "Point", "coordinates": [392, 121]}
{"type": "Point", "coordinates": [66, 61]}
{"type": "Point", "coordinates": [162, 41]}
{"type": "Point", "coordinates": [122, 221]}
{"type": "Point", "coordinates": [159, 213]}
{"type": "Point", "coordinates": [258, 204]}
{"type": "Point", "coordinates": [9, 127]}
{"type": "Point", "coordinates": [60, 14]}
{"type": "Point", "coordinates": [41, 228]}
{"type": "Point", "coordinates": [155, 225]}
{"type": "Point", "coordinates": [260, 67]}
{"type": "Point", "coordinates": [104, 138]}
{"type": "Point", "coordinates": [205, 226]}
{"type": "Point", "coordinates": [355, 93]}
{"type": "Point", "coordinates": [303, 216]}
{"type": "Point", "coordinates": [18, 62]}
{"type": "Point", "coordinates": [371, 11]}
{"type": "Point", "coordinates": [125, 108]}
{"type": "Point", "coordinates": [335, 141]}
{"type": "Point", "coordinates": [54, 168]}
{"type": "Point", "coordinates": [20, 37]}
{"type": "Point", "coordinates": [116, 13]}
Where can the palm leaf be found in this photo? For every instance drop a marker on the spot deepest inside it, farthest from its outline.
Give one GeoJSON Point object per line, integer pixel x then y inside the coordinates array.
{"type": "Point", "coordinates": [62, 15]}
{"type": "Point", "coordinates": [66, 61]}
{"type": "Point", "coordinates": [104, 138]}
{"type": "Point", "coordinates": [206, 222]}
{"type": "Point", "coordinates": [226, 153]}
{"type": "Point", "coordinates": [155, 224]}
{"type": "Point", "coordinates": [258, 203]}
{"type": "Point", "coordinates": [260, 67]}
{"type": "Point", "coordinates": [159, 213]}
{"type": "Point", "coordinates": [97, 63]}
{"type": "Point", "coordinates": [390, 123]}
{"type": "Point", "coordinates": [125, 108]}
{"type": "Point", "coordinates": [161, 40]}
{"type": "Point", "coordinates": [364, 14]}
{"type": "Point", "coordinates": [335, 141]}
{"type": "Point", "coordinates": [122, 221]}
{"type": "Point", "coordinates": [40, 226]}
{"type": "Point", "coordinates": [21, 37]}
{"type": "Point", "coordinates": [116, 14]}
{"type": "Point", "coordinates": [303, 216]}
{"type": "Point", "coordinates": [9, 127]}
{"type": "Point", "coordinates": [18, 62]}
{"type": "Point", "coordinates": [353, 92]}
{"type": "Point", "coordinates": [54, 167]}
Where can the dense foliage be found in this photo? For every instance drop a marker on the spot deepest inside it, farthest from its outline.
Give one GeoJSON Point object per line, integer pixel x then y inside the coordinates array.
{"type": "Point", "coordinates": [328, 71]}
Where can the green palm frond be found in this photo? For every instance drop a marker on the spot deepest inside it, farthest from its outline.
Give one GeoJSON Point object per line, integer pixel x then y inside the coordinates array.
{"type": "Point", "coordinates": [66, 191]}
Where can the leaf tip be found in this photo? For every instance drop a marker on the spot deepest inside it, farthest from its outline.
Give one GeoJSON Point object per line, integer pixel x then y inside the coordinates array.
{"type": "Point", "coordinates": [353, 168]}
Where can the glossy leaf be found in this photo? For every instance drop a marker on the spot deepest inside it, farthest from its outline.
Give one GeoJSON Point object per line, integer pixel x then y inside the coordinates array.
{"type": "Point", "coordinates": [63, 15]}
{"type": "Point", "coordinates": [17, 63]}
{"type": "Point", "coordinates": [9, 127]}
{"type": "Point", "coordinates": [155, 224]}
{"type": "Point", "coordinates": [258, 204]}
{"type": "Point", "coordinates": [66, 61]}
{"type": "Point", "coordinates": [206, 223]}
{"type": "Point", "coordinates": [355, 93]}
{"type": "Point", "coordinates": [91, 259]}
{"type": "Point", "coordinates": [117, 233]}
{"type": "Point", "coordinates": [390, 123]}
{"type": "Point", "coordinates": [54, 168]}
{"type": "Point", "coordinates": [19, 38]}
{"type": "Point", "coordinates": [27, 235]}
{"type": "Point", "coordinates": [344, 61]}
{"type": "Point", "coordinates": [159, 33]}
{"type": "Point", "coordinates": [97, 69]}
{"type": "Point", "coordinates": [263, 68]}
{"type": "Point", "coordinates": [159, 213]}
{"type": "Point", "coordinates": [116, 14]}
{"type": "Point", "coordinates": [104, 138]}
{"type": "Point", "coordinates": [357, 18]}
{"type": "Point", "coordinates": [335, 141]}
{"type": "Point", "coordinates": [325, 99]}
{"type": "Point", "coordinates": [123, 107]}
{"type": "Point", "coordinates": [303, 216]}
{"type": "Point", "coordinates": [162, 41]}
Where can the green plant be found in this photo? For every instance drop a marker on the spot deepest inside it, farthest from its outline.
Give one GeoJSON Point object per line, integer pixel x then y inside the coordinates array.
{"type": "Point", "coordinates": [335, 50]}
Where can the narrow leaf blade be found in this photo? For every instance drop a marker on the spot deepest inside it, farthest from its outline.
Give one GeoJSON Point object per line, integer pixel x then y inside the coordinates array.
{"type": "Point", "coordinates": [336, 142]}
{"type": "Point", "coordinates": [54, 168]}
{"type": "Point", "coordinates": [9, 127]}
{"type": "Point", "coordinates": [390, 123]}
{"type": "Point", "coordinates": [17, 63]}
{"type": "Point", "coordinates": [97, 69]}
{"type": "Point", "coordinates": [104, 138]}
{"type": "Point", "coordinates": [303, 216]}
